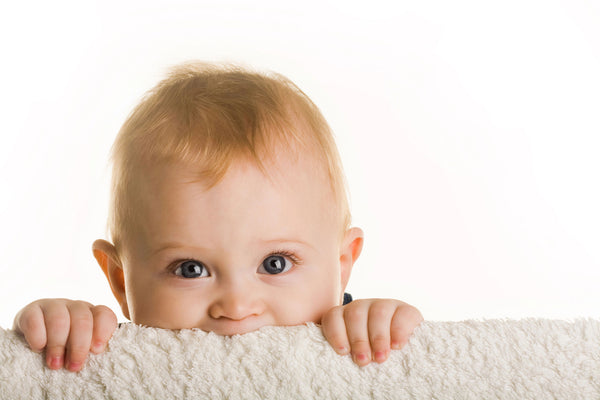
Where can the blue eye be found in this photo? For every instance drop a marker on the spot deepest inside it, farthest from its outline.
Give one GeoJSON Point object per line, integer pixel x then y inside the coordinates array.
{"type": "Point", "coordinates": [191, 269]}
{"type": "Point", "coordinates": [275, 264]}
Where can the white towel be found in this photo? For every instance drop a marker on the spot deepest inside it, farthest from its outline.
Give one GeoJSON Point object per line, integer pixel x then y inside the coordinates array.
{"type": "Point", "coordinates": [506, 359]}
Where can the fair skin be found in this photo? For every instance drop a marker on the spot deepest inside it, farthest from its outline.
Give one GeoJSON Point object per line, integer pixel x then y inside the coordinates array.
{"type": "Point", "coordinates": [252, 251]}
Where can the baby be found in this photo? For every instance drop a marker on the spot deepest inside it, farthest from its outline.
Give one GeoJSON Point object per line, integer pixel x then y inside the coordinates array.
{"type": "Point", "coordinates": [228, 213]}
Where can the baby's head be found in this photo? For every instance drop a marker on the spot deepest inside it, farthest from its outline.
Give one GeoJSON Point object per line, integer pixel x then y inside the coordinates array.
{"type": "Point", "coordinates": [228, 206]}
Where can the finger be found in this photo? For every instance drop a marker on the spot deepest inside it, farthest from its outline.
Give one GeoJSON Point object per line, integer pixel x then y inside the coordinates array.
{"type": "Point", "coordinates": [30, 322]}
{"type": "Point", "coordinates": [105, 323]}
{"type": "Point", "coordinates": [57, 321]}
{"type": "Point", "coordinates": [356, 315]}
{"type": "Point", "coordinates": [334, 330]}
{"type": "Point", "coordinates": [379, 324]}
{"type": "Point", "coordinates": [406, 318]}
{"type": "Point", "coordinates": [80, 336]}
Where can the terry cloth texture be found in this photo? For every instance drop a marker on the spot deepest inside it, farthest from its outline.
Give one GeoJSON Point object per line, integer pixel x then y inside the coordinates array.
{"type": "Point", "coordinates": [492, 359]}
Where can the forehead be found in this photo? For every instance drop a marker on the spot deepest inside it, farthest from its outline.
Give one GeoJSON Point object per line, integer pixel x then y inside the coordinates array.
{"type": "Point", "coordinates": [289, 198]}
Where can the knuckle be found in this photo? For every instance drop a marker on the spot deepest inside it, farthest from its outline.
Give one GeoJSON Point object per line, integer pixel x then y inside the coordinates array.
{"type": "Point", "coordinates": [82, 304]}
{"type": "Point", "coordinates": [331, 313]}
{"type": "Point", "coordinates": [78, 353]}
{"type": "Point", "coordinates": [104, 312]}
{"type": "Point", "coordinates": [337, 339]}
{"type": "Point", "coordinates": [82, 322]}
{"type": "Point", "coordinates": [58, 323]}
{"type": "Point", "coordinates": [332, 322]}
{"type": "Point", "coordinates": [386, 303]}
{"type": "Point", "coordinates": [360, 343]}
{"type": "Point", "coordinates": [406, 318]}
{"type": "Point", "coordinates": [410, 310]}
{"type": "Point", "coordinates": [380, 311]}
{"type": "Point", "coordinates": [55, 350]}
{"type": "Point", "coordinates": [379, 339]}
{"type": "Point", "coordinates": [105, 322]}
{"type": "Point", "coordinates": [355, 313]}
{"type": "Point", "coordinates": [80, 312]}
{"type": "Point", "coordinates": [30, 322]}
{"type": "Point", "coordinates": [400, 330]}
{"type": "Point", "coordinates": [36, 343]}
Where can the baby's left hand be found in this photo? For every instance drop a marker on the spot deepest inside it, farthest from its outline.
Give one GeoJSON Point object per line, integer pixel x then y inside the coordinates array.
{"type": "Point", "coordinates": [367, 328]}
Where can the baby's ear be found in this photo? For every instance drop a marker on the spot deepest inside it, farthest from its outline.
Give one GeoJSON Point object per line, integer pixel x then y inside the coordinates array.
{"type": "Point", "coordinates": [351, 247]}
{"type": "Point", "coordinates": [108, 259]}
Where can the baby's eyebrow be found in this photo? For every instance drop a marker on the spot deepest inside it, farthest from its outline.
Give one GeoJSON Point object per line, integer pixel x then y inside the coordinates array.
{"type": "Point", "coordinates": [287, 241]}
{"type": "Point", "coordinates": [176, 245]}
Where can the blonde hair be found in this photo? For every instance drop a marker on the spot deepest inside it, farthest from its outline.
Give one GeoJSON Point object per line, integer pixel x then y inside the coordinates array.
{"type": "Point", "coordinates": [210, 115]}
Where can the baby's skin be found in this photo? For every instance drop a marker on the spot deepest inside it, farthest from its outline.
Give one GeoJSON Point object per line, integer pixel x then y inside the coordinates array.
{"type": "Point", "coordinates": [252, 251]}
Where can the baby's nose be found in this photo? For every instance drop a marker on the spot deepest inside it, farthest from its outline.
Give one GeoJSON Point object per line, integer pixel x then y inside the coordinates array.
{"type": "Point", "coordinates": [236, 302]}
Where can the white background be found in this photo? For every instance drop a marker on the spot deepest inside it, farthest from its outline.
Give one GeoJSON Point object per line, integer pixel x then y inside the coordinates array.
{"type": "Point", "coordinates": [469, 131]}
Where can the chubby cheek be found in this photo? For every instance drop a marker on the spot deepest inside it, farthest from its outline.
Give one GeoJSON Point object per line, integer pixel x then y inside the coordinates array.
{"type": "Point", "coordinates": [308, 302]}
{"type": "Point", "coordinates": [153, 304]}
{"type": "Point", "coordinates": [163, 310]}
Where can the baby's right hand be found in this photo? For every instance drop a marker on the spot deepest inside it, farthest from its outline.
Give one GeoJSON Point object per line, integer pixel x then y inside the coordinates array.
{"type": "Point", "coordinates": [68, 329]}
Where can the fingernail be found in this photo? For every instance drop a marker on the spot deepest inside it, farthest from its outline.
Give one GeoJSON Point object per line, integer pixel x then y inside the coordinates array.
{"type": "Point", "coordinates": [342, 350]}
{"type": "Point", "coordinates": [56, 362]}
{"type": "Point", "coordinates": [362, 357]}
{"type": "Point", "coordinates": [74, 366]}
{"type": "Point", "coordinates": [98, 347]}
{"type": "Point", "coordinates": [380, 356]}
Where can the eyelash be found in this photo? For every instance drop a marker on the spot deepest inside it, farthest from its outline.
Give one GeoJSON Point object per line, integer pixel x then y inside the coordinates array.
{"type": "Point", "coordinates": [292, 256]}
{"type": "Point", "coordinates": [295, 260]}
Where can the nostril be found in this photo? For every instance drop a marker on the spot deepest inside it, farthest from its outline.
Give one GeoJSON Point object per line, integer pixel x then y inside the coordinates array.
{"type": "Point", "coordinates": [237, 318]}
{"type": "Point", "coordinates": [234, 310]}
{"type": "Point", "coordinates": [236, 315]}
